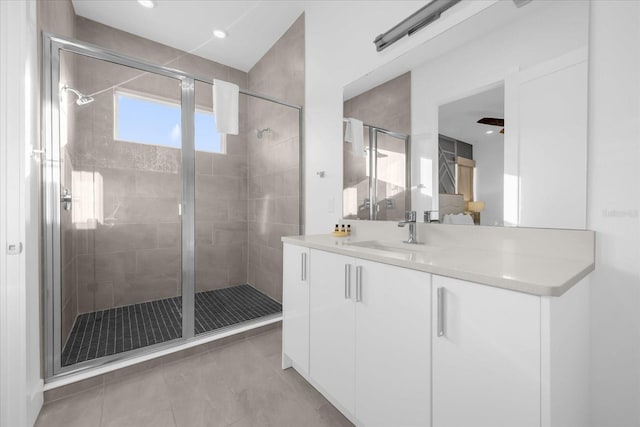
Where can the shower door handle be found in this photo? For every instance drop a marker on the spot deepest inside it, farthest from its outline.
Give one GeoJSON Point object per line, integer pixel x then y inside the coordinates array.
{"type": "Point", "coordinates": [66, 199]}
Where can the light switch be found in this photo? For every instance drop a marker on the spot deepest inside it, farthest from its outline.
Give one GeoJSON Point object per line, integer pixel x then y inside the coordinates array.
{"type": "Point", "coordinates": [331, 205]}
{"type": "Point", "coordinates": [14, 248]}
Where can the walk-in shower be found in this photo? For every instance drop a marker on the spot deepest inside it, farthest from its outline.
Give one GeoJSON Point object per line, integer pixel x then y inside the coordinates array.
{"type": "Point", "coordinates": [157, 228]}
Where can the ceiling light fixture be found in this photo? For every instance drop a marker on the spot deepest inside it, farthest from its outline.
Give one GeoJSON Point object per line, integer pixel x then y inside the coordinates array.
{"type": "Point", "coordinates": [149, 4]}
{"type": "Point", "coordinates": [221, 34]}
{"type": "Point", "coordinates": [489, 132]}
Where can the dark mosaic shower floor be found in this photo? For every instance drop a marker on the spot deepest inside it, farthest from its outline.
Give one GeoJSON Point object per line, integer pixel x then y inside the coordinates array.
{"type": "Point", "coordinates": [121, 329]}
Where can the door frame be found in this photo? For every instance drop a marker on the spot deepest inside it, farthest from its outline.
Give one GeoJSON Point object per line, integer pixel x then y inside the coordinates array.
{"type": "Point", "coordinates": [21, 387]}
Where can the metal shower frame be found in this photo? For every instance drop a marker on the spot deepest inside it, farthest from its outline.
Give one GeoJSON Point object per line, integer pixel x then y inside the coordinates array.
{"type": "Point", "coordinates": [52, 45]}
{"type": "Point", "coordinates": [373, 166]}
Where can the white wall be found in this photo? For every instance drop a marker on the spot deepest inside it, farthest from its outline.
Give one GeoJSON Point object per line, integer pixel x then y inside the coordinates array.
{"type": "Point", "coordinates": [489, 157]}
{"type": "Point", "coordinates": [613, 205]}
{"type": "Point", "coordinates": [20, 385]}
{"type": "Point", "coordinates": [480, 65]}
{"type": "Point", "coordinates": [546, 143]}
{"type": "Point", "coordinates": [339, 49]}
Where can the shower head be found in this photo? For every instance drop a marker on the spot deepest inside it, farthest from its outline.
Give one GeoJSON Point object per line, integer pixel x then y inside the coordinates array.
{"type": "Point", "coordinates": [260, 132]}
{"type": "Point", "coordinates": [82, 98]}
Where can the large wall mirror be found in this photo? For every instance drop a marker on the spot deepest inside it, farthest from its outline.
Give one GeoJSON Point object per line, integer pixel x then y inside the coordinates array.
{"type": "Point", "coordinates": [494, 112]}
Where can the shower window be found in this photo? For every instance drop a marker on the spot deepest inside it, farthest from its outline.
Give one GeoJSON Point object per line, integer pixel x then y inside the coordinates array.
{"type": "Point", "coordinates": [153, 121]}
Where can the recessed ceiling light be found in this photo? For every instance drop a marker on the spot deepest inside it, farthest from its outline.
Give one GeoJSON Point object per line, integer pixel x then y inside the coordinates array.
{"type": "Point", "coordinates": [489, 132]}
{"type": "Point", "coordinates": [221, 34]}
{"type": "Point", "coordinates": [149, 4]}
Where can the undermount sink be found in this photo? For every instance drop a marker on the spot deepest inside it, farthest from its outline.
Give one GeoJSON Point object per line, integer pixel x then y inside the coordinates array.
{"type": "Point", "coordinates": [403, 248]}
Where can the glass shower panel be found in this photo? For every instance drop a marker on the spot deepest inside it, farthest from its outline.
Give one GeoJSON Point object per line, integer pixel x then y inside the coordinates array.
{"type": "Point", "coordinates": [355, 197]}
{"type": "Point", "coordinates": [120, 228]}
{"type": "Point", "coordinates": [224, 295]}
{"type": "Point", "coordinates": [378, 178]}
{"type": "Point", "coordinates": [391, 177]}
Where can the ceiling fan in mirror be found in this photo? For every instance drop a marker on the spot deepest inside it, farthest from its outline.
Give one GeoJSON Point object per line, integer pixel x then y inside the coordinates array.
{"type": "Point", "coordinates": [492, 121]}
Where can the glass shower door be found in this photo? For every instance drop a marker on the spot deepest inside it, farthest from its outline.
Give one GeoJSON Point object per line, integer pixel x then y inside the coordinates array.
{"type": "Point", "coordinates": [150, 236]}
{"type": "Point", "coordinates": [118, 188]}
{"type": "Point", "coordinates": [392, 188]}
{"type": "Point", "coordinates": [377, 181]}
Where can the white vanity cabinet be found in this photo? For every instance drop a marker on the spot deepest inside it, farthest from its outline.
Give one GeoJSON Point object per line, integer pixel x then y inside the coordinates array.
{"type": "Point", "coordinates": [295, 314]}
{"type": "Point", "coordinates": [394, 346]}
{"type": "Point", "coordinates": [486, 356]}
{"type": "Point", "coordinates": [370, 338]}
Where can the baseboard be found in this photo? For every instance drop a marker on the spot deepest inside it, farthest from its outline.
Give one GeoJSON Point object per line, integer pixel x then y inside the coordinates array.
{"type": "Point", "coordinates": [35, 403]}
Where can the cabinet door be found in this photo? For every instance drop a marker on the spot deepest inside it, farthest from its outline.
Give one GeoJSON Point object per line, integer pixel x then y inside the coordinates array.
{"type": "Point", "coordinates": [486, 356]}
{"type": "Point", "coordinates": [393, 345]}
{"type": "Point", "coordinates": [295, 307]}
{"type": "Point", "coordinates": [332, 327]}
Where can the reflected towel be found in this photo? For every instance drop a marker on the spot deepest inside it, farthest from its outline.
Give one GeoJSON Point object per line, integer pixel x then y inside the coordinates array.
{"type": "Point", "coordinates": [354, 134]}
{"type": "Point", "coordinates": [225, 106]}
{"type": "Point", "coordinates": [457, 219]}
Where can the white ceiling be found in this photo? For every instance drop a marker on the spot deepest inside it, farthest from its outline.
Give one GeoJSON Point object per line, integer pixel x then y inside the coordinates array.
{"type": "Point", "coordinates": [252, 26]}
{"type": "Point", "coordinates": [459, 119]}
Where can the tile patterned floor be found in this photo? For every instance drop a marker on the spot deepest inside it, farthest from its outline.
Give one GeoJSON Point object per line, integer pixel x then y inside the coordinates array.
{"type": "Point", "coordinates": [121, 329]}
{"type": "Point", "coordinates": [237, 385]}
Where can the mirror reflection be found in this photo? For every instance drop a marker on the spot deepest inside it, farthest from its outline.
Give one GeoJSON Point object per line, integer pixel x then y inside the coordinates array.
{"type": "Point", "coordinates": [376, 149]}
{"type": "Point", "coordinates": [456, 93]}
{"type": "Point", "coordinates": [471, 159]}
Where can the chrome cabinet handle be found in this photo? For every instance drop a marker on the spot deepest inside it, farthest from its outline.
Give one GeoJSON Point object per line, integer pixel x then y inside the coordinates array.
{"type": "Point", "coordinates": [303, 269]}
{"type": "Point", "coordinates": [347, 281]}
{"type": "Point", "coordinates": [441, 312]}
{"type": "Point", "coordinates": [359, 283]}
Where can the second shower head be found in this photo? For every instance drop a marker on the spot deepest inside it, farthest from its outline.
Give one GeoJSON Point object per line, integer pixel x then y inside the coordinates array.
{"type": "Point", "coordinates": [82, 98]}
{"type": "Point", "coordinates": [261, 132]}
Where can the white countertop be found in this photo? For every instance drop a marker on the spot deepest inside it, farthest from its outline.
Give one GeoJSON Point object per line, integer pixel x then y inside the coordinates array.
{"type": "Point", "coordinates": [536, 274]}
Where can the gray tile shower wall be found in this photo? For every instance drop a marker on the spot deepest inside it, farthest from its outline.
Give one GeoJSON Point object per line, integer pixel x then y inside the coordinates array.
{"type": "Point", "coordinates": [273, 160]}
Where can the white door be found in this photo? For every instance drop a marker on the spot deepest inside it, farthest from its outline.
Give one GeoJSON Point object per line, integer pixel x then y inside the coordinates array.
{"type": "Point", "coordinates": [393, 346]}
{"type": "Point", "coordinates": [295, 305]}
{"type": "Point", "coordinates": [486, 356]}
{"type": "Point", "coordinates": [546, 144]}
{"type": "Point", "coordinates": [332, 318]}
